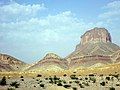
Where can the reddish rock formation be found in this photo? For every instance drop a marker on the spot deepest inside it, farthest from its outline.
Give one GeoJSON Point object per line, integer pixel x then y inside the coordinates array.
{"type": "Point", "coordinates": [9, 63]}
{"type": "Point", "coordinates": [51, 59]}
{"type": "Point", "coordinates": [96, 35]}
{"type": "Point", "coordinates": [95, 47]}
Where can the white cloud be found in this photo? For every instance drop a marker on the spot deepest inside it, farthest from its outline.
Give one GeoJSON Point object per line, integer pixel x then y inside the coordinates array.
{"type": "Point", "coordinates": [53, 28]}
{"type": "Point", "coordinates": [112, 10]}
{"type": "Point", "coordinates": [16, 12]}
{"type": "Point", "coordinates": [57, 33]}
{"type": "Point", "coordinates": [111, 19]}
{"type": "Point", "coordinates": [113, 5]}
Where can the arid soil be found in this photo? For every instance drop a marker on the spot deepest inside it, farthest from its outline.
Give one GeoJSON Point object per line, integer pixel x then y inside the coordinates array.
{"type": "Point", "coordinates": [65, 82]}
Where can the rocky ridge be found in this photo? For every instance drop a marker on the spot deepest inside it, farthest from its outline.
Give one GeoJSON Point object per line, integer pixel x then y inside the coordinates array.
{"type": "Point", "coordinates": [95, 49]}
{"type": "Point", "coordinates": [9, 63]}
{"type": "Point", "coordinates": [50, 59]}
{"type": "Point", "coordinates": [96, 35]}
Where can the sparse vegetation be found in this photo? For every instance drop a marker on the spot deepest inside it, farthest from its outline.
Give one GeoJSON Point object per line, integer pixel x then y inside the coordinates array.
{"type": "Point", "coordinates": [11, 89]}
{"type": "Point", "coordinates": [85, 83]}
{"type": "Point", "coordinates": [59, 84]}
{"type": "Point", "coordinates": [93, 79]}
{"type": "Point", "coordinates": [42, 85]}
{"type": "Point", "coordinates": [3, 81]}
{"type": "Point", "coordinates": [21, 77]}
{"type": "Point", "coordinates": [77, 82]}
{"type": "Point", "coordinates": [117, 84]}
{"type": "Point", "coordinates": [73, 77]}
{"type": "Point", "coordinates": [39, 75]}
{"type": "Point", "coordinates": [73, 82]}
{"type": "Point", "coordinates": [81, 86]}
{"type": "Point", "coordinates": [65, 75]}
{"type": "Point", "coordinates": [112, 88]}
{"type": "Point", "coordinates": [102, 83]}
{"type": "Point", "coordinates": [86, 78]}
{"type": "Point", "coordinates": [70, 82]}
{"type": "Point", "coordinates": [108, 78]}
{"type": "Point", "coordinates": [74, 88]}
{"type": "Point", "coordinates": [15, 84]}
{"type": "Point", "coordinates": [67, 86]}
{"type": "Point", "coordinates": [91, 74]}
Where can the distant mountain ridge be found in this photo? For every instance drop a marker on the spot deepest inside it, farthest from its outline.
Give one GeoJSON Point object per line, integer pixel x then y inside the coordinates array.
{"type": "Point", "coordinates": [95, 49]}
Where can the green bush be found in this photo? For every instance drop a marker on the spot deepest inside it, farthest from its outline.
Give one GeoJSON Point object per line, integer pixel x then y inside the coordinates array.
{"type": "Point", "coordinates": [86, 83]}
{"type": "Point", "coordinates": [81, 86]}
{"type": "Point", "coordinates": [21, 77]}
{"type": "Point", "coordinates": [112, 88]}
{"type": "Point", "coordinates": [10, 89]}
{"type": "Point", "coordinates": [65, 75]}
{"type": "Point", "coordinates": [74, 88]}
{"type": "Point", "coordinates": [70, 82]}
{"type": "Point", "coordinates": [108, 78]}
{"type": "Point", "coordinates": [91, 74]}
{"type": "Point", "coordinates": [15, 84]}
{"type": "Point", "coordinates": [39, 75]}
{"type": "Point", "coordinates": [102, 83]}
{"type": "Point", "coordinates": [116, 76]}
{"type": "Point", "coordinates": [42, 85]}
{"type": "Point", "coordinates": [67, 86]}
{"type": "Point", "coordinates": [56, 78]}
{"type": "Point", "coordinates": [64, 82]}
{"type": "Point", "coordinates": [73, 77]}
{"type": "Point", "coordinates": [3, 81]}
{"type": "Point", "coordinates": [77, 82]}
{"type": "Point", "coordinates": [86, 78]}
{"type": "Point", "coordinates": [117, 84]}
{"type": "Point", "coordinates": [59, 84]}
{"type": "Point", "coordinates": [46, 78]}
{"type": "Point", "coordinates": [93, 79]}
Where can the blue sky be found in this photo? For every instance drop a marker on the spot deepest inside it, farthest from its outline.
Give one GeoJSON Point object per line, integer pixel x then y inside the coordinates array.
{"type": "Point", "coordinates": [29, 29]}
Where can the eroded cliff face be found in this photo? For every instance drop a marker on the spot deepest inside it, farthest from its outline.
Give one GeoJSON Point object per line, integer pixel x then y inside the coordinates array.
{"type": "Point", "coordinates": [95, 47]}
{"type": "Point", "coordinates": [48, 60]}
{"type": "Point", "coordinates": [9, 63]}
{"type": "Point", "coordinates": [96, 35]}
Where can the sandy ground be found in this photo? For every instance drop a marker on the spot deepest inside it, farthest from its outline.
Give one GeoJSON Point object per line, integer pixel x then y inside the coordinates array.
{"type": "Point", "coordinates": [33, 83]}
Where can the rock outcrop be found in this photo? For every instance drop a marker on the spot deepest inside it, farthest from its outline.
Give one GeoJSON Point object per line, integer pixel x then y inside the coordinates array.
{"type": "Point", "coordinates": [95, 47]}
{"type": "Point", "coordinates": [50, 59]}
{"type": "Point", "coordinates": [9, 63]}
{"type": "Point", "coordinates": [96, 35]}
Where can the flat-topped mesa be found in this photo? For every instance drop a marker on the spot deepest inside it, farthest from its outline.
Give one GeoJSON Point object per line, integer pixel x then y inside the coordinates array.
{"type": "Point", "coordinates": [96, 35]}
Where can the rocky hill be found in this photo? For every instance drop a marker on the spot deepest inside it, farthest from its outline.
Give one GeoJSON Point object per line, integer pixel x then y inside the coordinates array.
{"type": "Point", "coordinates": [50, 60]}
{"type": "Point", "coordinates": [95, 47]}
{"type": "Point", "coordinates": [96, 35]}
{"type": "Point", "coordinates": [9, 63]}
